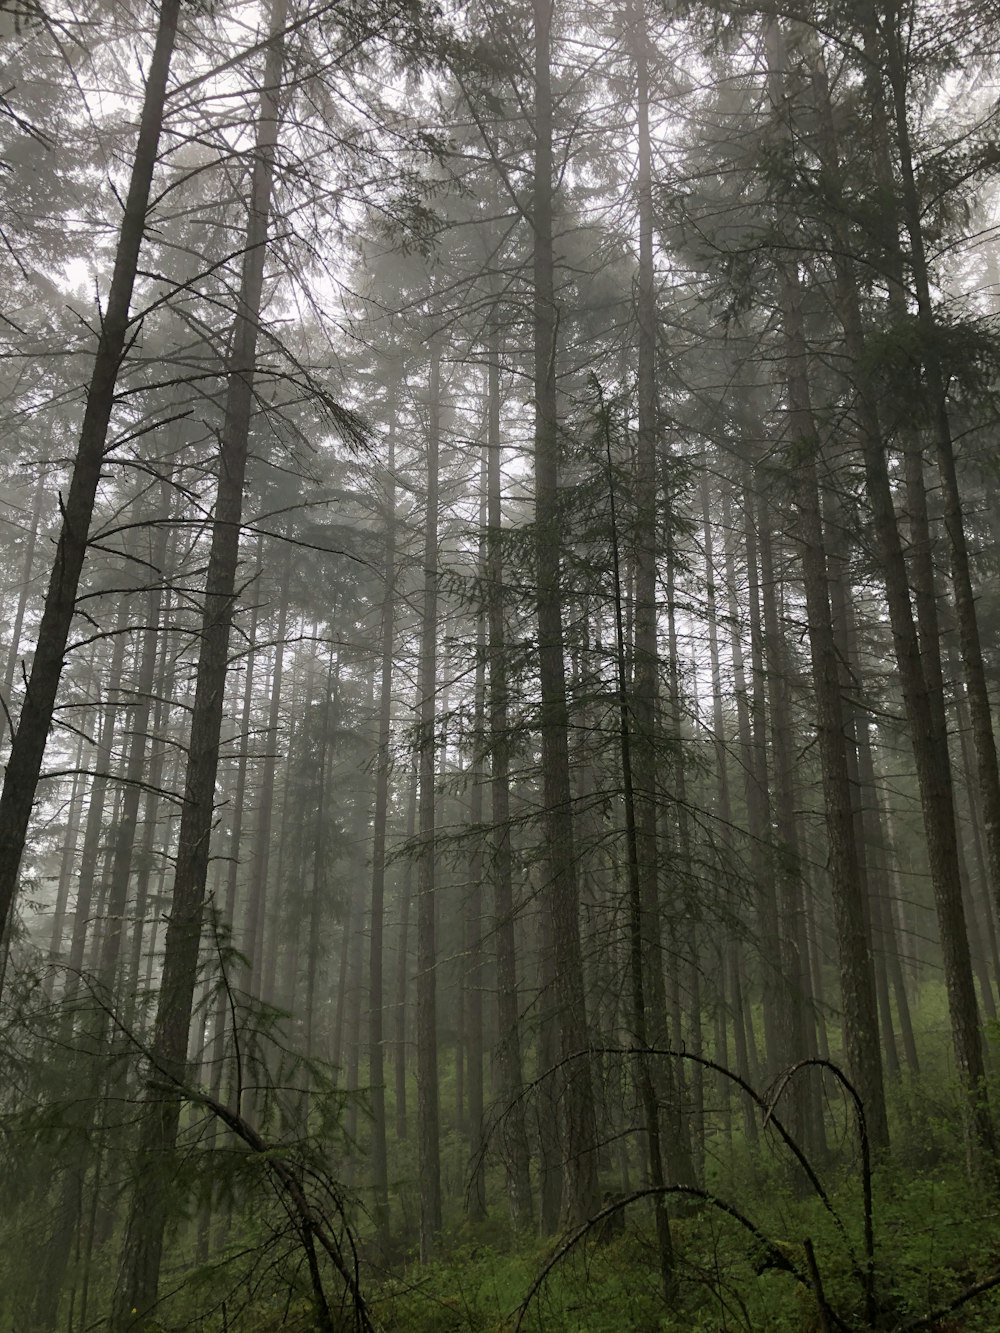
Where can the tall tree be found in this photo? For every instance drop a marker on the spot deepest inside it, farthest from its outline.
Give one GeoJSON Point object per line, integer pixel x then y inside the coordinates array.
{"type": "Point", "coordinates": [35, 720]}
{"type": "Point", "coordinates": [138, 1279]}
{"type": "Point", "coordinates": [428, 1126]}
{"type": "Point", "coordinates": [510, 1073]}
{"type": "Point", "coordinates": [376, 996]}
{"type": "Point", "coordinates": [562, 895]}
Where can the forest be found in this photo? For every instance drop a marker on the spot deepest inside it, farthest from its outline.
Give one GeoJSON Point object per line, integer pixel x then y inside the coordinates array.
{"type": "Point", "coordinates": [500, 633]}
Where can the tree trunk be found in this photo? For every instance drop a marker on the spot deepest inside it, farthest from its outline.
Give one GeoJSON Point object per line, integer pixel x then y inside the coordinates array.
{"type": "Point", "coordinates": [83, 912]}
{"type": "Point", "coordinates": [793, 1035]}
{"type": "Point", "coordinates": [268, 930]}
{"type": "Point", "coordinates": [473, 977]}
{"type": "Point", "coordinates": [857, 978]}
{"type": "Point", "coordinates": [403, 966]}
{"type": "Point", "coordinates": [954, 524]}
{"type": "Point", "coordinates": [329, 707]}
{"type": "Point", "coordinates": [930, 747]}
{"type": "Point", "coordinates": [135, 765]}
{"type": "Point", "coordinates": [260, 857]}
{"type": "Point", "coordinates": [758, 827]}
{"type": "Point", "coordinates": [510, 1078]}
{"type": "Point", "coordinates": [376, 997]}
{"type": "Point", "coordinates": [74, 818]}
{"type": "Point", "coordinates": [142, 866]}
{"type": "Point", "coordinates": [681, 1165]}
{"type": "Point", "coordinates": [640, 739]}
{"type": "Point", "coordinates": [138, 1279]}
{"type": "Point", "coordinates": [25, 761]}
{"type": "Point", "coordinates": [723, 803]}
{"type": "Point", "coordinates": [639, 920]}
{"type": "Point", "coordinates": [428, 1134]}
{"type": "Point", "coordinates": [14, 646]}
{"type": "Point", "coordinates": [581, 1196]}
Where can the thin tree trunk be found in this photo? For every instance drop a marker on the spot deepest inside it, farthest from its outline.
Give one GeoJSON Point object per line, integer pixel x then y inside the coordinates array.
{"type": "Point", "coordinates": [428, 1133]}
{"type": "Point", "coordinates": [142, 866]}
{"type": "Point", "coordinates": [794, 977]}
{"type": "Point", "coordinates": [758, 827]}
{"type": "Point", "coordinates": [14, 646]}
{"type": "Point", "coordinates": [376, 997]}
{"type": "Point", "coordinates": [330, 707]}
{"type": "Point", "coordinates": [360, 822]}
{"type": "Point", "coordinates": [510, 1077]}
{"type": "Point", "coordinates": [681, 1164]}
{"type": "Point", "coordinates": [724, 806]}
{"type": "Point", "coordinates": [473, 978]}
{"type": "Point", "coordinates": [763, 854]}
{"type": "Point", "coordinates": [865, 812]}
{"type": "Point", "coordinates": [639, 920]}
{"type": "Point", "coordinates": [402, 966]}
{"type": "Point", "coordinates": [135, 765]}
{"type": "Point", "coordinates": [641, 741]}
{"type": "Point", "coordinates": [269, 929]}
{"type": "Point", "coordinates": [83, 912]}
{"type": "Point", "coordinates": [260, 857]}
{"type": "Point", "coordinates": [71, 838]}
{"type": "Point", "coordinates": [893, 959]}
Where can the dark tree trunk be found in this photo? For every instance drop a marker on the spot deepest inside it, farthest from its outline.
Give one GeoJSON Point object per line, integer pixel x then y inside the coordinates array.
{"type": "Point", "coordinates": [25, 761]}
{"type": "Point", "coordinates": [640, 740]}
{"type": "Point", "coordinates": [757, 800]}
{"type": "Point", "coordinates": [640, 920]}
{"type": "Point", "coordinates": [376, 996]}
{"type": "Point", "coordinates": [428, 1134]}
{"type": "Point", "coordinates": [929, 742]}
{"type": "Point", "coordinates": [508, 1055]}
{"type": "Point", "coordinates": [857, 977]}
{"type": "Point", "coordinates": [682, 1127]}
{"type": "Point", "coordinates": [403, 966]}
{"type": "Point", "coordinates": [138, 1279]}
{"type": "Point", "coordinates": [580, 1128]}
{"type": "Point", "coordinates": [473, 922]}
{"type": "Point", "coordinates": [935, 379]}
{"type": "Point", "coordinates": [793, 980]}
